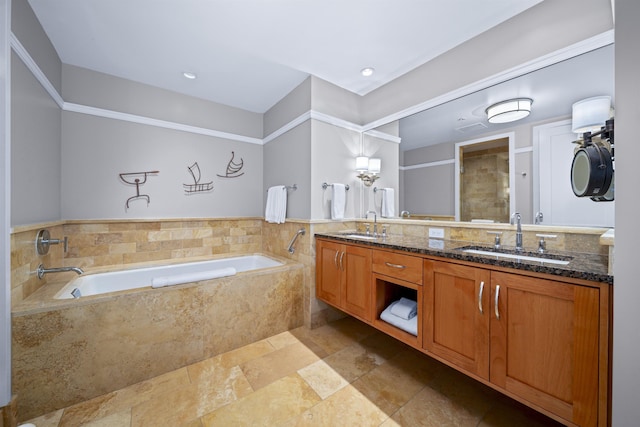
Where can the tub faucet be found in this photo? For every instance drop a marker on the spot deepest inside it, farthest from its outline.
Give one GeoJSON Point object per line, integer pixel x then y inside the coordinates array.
{"type": "Point", "coordinates": [375, 222]}
{"type": "Point", "coordinates": [517, 218]}
{"type": "Point", "coordinates": [41, 271]}
{"type": "Point", "coordinates": [405, 214]}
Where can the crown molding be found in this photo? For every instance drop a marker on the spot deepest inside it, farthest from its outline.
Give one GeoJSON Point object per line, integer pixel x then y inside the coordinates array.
{"type": "Point", "coordinates": [133, 118]}
{"type": "Point", "coordinates": [22, 53]}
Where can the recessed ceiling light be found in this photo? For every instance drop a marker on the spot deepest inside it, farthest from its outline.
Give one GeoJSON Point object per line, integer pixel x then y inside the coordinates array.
{"type": "Point", "coordinates": [367, 72]}
{"type": "Point", "coordinates": [189, 75]}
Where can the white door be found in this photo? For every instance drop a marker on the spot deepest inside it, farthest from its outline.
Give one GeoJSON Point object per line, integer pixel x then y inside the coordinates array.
{"type": "Point", "coordinates": [553, 155]}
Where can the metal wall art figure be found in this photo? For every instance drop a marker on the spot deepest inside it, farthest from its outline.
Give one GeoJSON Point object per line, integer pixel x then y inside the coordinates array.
{"type": "Point", "coordinates": [140, 178]}
{"type": "Point", "coordinates": [233, 168]}
{"type": "Point", "coordinates": [197, 186]}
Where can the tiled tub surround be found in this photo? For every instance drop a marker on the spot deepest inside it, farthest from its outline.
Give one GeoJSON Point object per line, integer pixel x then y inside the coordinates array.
{"type": "Point", "coordinates": [66, 351]}
{"type": "Point", "coordinates": [118, 242]}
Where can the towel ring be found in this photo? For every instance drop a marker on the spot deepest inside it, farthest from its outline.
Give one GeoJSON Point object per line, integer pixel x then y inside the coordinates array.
{"type": "Point", "coordinates": [376, 189]}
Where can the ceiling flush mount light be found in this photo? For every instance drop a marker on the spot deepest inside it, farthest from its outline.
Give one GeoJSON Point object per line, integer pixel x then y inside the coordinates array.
{"type": "Point", "coordinates": [368, 169]}
{"type": "Point", "coordinates": [590, 114]}
{"type": "Point", "coordinates": [509, 110]}
{"type": "Point", "coordinates": [189, 75]}
{"type": "Point", "coordinates": [367, 72]}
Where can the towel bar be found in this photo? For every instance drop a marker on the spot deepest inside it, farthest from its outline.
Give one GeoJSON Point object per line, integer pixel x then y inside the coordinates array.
{"type": "Point", "coordinates": [325, 185]}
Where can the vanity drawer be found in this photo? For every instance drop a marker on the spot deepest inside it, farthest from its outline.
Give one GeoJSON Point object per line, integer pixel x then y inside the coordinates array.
{"type": "Point", "coordinates": [403, 267]}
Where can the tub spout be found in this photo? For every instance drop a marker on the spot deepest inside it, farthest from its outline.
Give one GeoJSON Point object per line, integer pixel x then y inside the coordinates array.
{"type": "Point", "coordinates": [41, 271]}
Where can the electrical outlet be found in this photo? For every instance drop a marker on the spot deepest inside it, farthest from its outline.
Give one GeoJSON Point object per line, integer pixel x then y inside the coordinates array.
{"type": "Point", "coordinates": [436, 233]}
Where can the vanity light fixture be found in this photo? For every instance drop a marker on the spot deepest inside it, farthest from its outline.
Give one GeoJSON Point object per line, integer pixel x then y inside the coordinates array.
{"type": "Point", "coordinates": [189, 75]}
{"type": "Point", "coordinates": [509, 110]}
{"type": "Point", "coordinates": [367, 72]}
{"type": "Point", "coordinates": [589, 115]}
{"type": "Point", "coordinates": [368, 169]}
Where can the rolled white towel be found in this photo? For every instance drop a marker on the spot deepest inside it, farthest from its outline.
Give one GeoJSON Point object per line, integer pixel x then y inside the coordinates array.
{"type": "Point", "coordinates": [405, 309]}
{"type": "Point", "coordinates": [176, 279]}
{"type": "Point", "coordinates": [410, 326]}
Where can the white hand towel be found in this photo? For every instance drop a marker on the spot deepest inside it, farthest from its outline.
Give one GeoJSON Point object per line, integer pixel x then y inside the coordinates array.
{"type": "Point", "coordinates": [338, 200]}
{"type": "Point", "coordinates": [276, 208]}
{"type": "Point", "coordinates": [176, 279]}
{"type": "Point", "coordinates": [405, 309]}
{"type": "Point", "coordinates": [388, 204]}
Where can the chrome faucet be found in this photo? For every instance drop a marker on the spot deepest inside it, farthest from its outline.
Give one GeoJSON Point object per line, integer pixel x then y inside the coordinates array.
{"type": "Point", "coordinates": [516, 216]}
{"type": "Point", "coordinates": [41, 271]}
{"type": "Point", "coordinates": [405, 214]}
{"type": "Point", "coordinates": [375, 222]}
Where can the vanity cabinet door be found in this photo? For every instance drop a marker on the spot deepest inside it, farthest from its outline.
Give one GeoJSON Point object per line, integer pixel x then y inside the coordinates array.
{"type": "Point", "coordinates": [343, 277]}
{"type": "Point", "coordinates": [456, 321]}
{"type": "Point", "coordinates": [329, 275]}
{"type": "Point", "coordinates": [356, 296]}
{"type": "Point", "coordinates": [545, 345]}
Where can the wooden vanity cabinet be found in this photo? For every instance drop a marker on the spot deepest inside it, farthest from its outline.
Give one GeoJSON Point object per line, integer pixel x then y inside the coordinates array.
{"type": "Point", "coordinates": [456, 320]}
{"type": "Point", "coordinates": [542, 341]}
{"type": "Point", "coordinates": [343, 277]}
{"type": "Point", "coordinates": [547, 345]}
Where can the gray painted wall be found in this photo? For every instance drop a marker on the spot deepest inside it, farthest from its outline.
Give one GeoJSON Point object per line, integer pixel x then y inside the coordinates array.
{"type": "Point", "coordinates": [287, 161]}
{"type": "Point", "coordinates": [96, 150]}
{"type": "Point", "coordinates": [90, 88]}
{"type": "Point", "coordinates": [330, 99]}
{"type": "Point", "coordinates": [35, 150]}
{"type": "Point", "coordinates": [544, 28]}
{"type": "Point", "coordinates": [296, 103]}
{"type": "Point", "coordinates": [26, 27]}
{"type": "Point", "coordinates": [626, 317]}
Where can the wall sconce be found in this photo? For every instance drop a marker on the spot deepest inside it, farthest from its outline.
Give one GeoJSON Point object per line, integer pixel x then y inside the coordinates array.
{"type": "Point", "coordinates": [590, 114]}
{"type": "Point", "coordinates": [509, 111]}
{"type": "Point", "coordinates": [368, 169]}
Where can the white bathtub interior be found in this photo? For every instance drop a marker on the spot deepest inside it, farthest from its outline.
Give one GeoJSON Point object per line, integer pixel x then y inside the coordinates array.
{"type": "Point", "coordinates": [101, 283]}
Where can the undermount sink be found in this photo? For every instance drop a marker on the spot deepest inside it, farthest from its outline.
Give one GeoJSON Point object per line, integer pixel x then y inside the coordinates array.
{"type": "Point", "coordinates": [528, 256]}
{"type": "Point", "coordinates": [359, 236]}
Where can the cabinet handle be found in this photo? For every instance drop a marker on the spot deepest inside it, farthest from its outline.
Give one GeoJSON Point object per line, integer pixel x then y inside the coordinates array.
{"type": "Point", "coordinates": [401, 267]}
{"type": "Point", "coordinates": [495, 303]}
{"type": "Point", "coordinates": [480, 297]}
{"type": "Point", "coordinates": [341, 256]}
{"type": "Point", "coordinates": [335, 259]}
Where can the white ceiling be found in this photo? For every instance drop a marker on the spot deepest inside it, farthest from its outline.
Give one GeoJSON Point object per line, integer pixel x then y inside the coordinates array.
{"type": "Point", "coordinates": [250, 53]}
{"type": "Point", "coordinates": [553, 89]}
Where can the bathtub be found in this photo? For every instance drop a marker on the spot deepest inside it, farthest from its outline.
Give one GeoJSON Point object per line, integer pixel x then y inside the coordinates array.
{"type": "Point", "coordinates": [68, 350]}
{"type": "Point", "coordinates": [157, 276]}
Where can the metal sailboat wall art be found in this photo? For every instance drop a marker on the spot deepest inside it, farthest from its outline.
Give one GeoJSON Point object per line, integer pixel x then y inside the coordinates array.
{"type": "Point", "coordinates": [234, 169]}
{"type": "Point", "coordinates": [197, 186]}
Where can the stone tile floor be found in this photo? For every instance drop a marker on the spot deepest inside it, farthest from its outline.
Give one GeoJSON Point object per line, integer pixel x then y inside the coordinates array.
{"type": "Point", "coordinates": [342, 374]}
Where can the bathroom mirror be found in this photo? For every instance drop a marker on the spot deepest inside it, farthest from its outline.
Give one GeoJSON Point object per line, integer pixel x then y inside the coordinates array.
{"type": "Point", "coordinates": [430, 139]}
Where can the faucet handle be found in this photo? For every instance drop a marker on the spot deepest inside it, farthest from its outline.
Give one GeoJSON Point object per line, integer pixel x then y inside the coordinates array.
{"type": "Point", "coordinates": [542, 245]}
{"type": "Point", "coordinates": [366, 226]}
{"type": "Point", "coordinates": [496, 242]}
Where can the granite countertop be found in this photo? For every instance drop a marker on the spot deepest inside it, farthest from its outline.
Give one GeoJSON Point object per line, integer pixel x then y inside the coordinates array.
{"type": "Point", "coordinates": [586, 266]}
